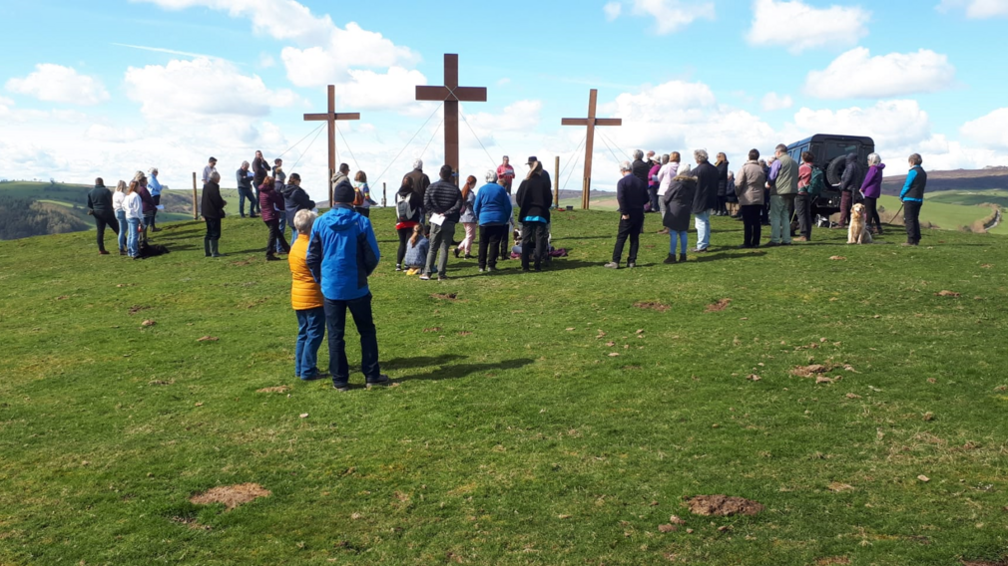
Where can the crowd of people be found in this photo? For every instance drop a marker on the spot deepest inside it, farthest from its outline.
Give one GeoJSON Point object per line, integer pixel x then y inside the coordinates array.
{"type": "Point", "coordinates": [331, 256]}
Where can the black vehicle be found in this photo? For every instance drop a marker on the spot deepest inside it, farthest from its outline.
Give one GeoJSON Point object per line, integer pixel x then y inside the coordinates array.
{"type": "Point", "coordinates": [830, 152]}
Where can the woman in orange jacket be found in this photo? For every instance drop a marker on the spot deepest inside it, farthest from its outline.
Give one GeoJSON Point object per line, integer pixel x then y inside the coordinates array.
{"type": "Point", "coordinates": [306, 298]}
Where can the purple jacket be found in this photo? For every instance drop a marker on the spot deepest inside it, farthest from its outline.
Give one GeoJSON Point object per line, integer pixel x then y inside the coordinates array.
{"type": "Point", "coordinates": [148, 200]}
{"type": "Point", "coordinates": [872, 186]}
{"type": "Point", "coordinates": [652, 175]}
{"type": "Point", "coordinates": [270, 202]}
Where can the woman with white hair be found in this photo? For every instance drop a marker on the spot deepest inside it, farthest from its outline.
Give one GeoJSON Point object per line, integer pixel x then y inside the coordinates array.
{"type": "Point", "coordinates": [493, 213]}
{"type": "Point", "coordinates": [871, 189]}
{"type": "Point", "coordinates": [678, 204]}
{"type": "Point", "coordinates": [468, 218]}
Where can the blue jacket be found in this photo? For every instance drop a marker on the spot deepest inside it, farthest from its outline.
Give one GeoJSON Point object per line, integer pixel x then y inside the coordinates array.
{"type": "Point", "coordinates": [493, 205]}
{"type": "Point", "coordinates": [416, 256]}
{"type": "Point", "coordinates": [342, 252]}
{"type": "Point", "coordinates": [913, 189]}
{"type": "Point", "coordinates": [154, 185]}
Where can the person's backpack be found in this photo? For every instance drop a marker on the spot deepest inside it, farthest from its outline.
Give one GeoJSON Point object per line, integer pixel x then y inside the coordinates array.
{"type": "Point", "coordinates": [404, 211]}
{"type": "Point", "coordinates": [816, 184]}
{"type": "Point", "coordinates": [358, 196]}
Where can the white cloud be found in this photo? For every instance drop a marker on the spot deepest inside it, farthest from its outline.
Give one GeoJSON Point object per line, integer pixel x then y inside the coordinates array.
{"type": "Point", "coordinates": [798, 26]}
{"type": "Point", "coordinates": [56, 83]}
{"type": "Point", "coordinates": [670, 15]}
{"type": "Point", "coordinates": [280, 19]}
{"type": "Point", "coordinates": [266, 61]}
{"type": "Point", "coordinates": [991, 130]}
{"type": "Point", "coordinates": [856, 74]}
{"type": "Point", "coordinates": [898, 124]}
{"type": "Point", "coordinates": [201, 87]}
{"type": "Point", "coordinates": [773, 101]}
{"type": "Point", "coordinates": [612, 10]}
{"type": "Point", "coordinates": [977, 9]}
{"type": "Point", "coordinates": [367, 89]}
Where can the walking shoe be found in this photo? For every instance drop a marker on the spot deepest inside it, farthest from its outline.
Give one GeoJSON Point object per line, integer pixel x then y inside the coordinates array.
{"type": "Point", "coordinates": [664, 231]}
{"type": "Point", "coordinates": [456, 253]}
{"type": "Point", "coordinates": [253, 216]}
{"type": "Point", "coordinates": [670, 259]}
{"type": "Point", "coordinates": [682, 258]}
{"type": "Point", "coordinates": [442, 277]}
{"type": "Point", "coordinates": [380, 381]}
{"type": "Point", "coordinates": [272, 257]}
{"type": "Point", "coordinates": [398, 267]}
{"type": "Point", "coordinates": [424, 277]}
{"type": "Point", "coordinates": [631, 265]}
{"type": "Point", "coordinates": [122, 252]}
{"type": "Point", "coordinates": [801, 239]}
{"type": "Point", "coordinates": [612, 265]}
{"type": "Point", "coordinates": [102, 252]}
{"type": "Point", "coordinates": [341, 387]}
{"type": "Point", "coordinates": [318, 375]}
{"type": "Point", "coordinates": [467, 256]}
{"type": "Point", "coordinates": [908, 244]}
{"type": "Point", "coordinates": [699, 251]}
{"type": "Point", "coordinates": [482, 270]}
{"type": "Point", "coordinates": [155, 229]}
{"type": "Point", "coordinates": [492, 269]}
{"type": "Point", "coordinates": [771, 245]}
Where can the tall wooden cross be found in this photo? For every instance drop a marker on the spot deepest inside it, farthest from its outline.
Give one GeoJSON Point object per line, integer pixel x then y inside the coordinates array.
{"type": "Point", "coordinates": [591, 121]}
{"type": "Point", "coordinates": [451, 94]}
{"type": "Point", "coordinates": [332, 117]}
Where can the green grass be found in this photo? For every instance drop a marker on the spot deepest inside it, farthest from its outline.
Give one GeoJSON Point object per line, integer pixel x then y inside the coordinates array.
{"type": "Point", "coordinates": [513, 437]}
{"type": "Point", "coordinates": [945, 215]}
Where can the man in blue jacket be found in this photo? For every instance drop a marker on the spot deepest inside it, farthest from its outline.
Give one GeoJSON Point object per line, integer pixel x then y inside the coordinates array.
{"type": "Point", "coordinates": [493, 211]}
{"type": "Point", "coordinates": [342, 252]}
{"type": "Point", "coordinates": [912, 196]}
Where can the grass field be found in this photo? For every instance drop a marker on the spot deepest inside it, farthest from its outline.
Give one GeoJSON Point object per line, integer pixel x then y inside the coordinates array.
{"type": "Point", "coordinates": [537, 419]}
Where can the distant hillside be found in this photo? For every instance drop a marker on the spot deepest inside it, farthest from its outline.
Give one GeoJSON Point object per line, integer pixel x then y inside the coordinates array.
{"type": "Point", "coordinates": [959, 179]}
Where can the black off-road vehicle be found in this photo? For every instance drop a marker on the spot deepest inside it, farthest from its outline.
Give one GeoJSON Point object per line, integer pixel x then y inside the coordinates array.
{"type": "Point", "coordinates": [830, 152]}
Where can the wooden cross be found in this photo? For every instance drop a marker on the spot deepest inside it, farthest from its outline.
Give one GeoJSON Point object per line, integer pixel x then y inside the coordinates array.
{"type": "Point", "coordinates": [332, 117]}
{"type": "Point", "coordinates": [591, 121]}
{"type": "Point", "coordinates": [451, 94]}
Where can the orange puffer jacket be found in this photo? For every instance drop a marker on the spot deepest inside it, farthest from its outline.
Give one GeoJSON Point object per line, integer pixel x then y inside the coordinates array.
{"type": "Point", "coordinates": [305, 292]}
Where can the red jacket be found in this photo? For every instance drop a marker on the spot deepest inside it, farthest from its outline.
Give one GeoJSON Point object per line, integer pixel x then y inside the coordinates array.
{"type": "Point", "coordinates": [270, 202]}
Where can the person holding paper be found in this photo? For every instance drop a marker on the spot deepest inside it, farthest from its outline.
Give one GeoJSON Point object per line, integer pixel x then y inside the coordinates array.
{"type": "Point", "coordinates": [443, 200]}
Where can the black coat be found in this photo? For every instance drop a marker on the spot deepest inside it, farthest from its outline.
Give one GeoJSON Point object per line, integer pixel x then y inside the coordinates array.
{"type": "Point", "coordinates": [707, 186]}
{"type": "Point", "coordinates": [852, 176]}
{"type": "Point", "coordinates": [99, 202]}
{"type": "Point", "coordinates": [722, 187]}
{"type": "Point", "coordinates": [632, 195]}
{"type": "Point", "coordinates": [443, 197]}
{"type": "Point", "coordinates": [679, 203]}
{"type": "Point", "coordinates": [295, 199]}
{"type": "Point", "coordinates": [640, 170]}
{"type": "Point", "coordinates": [534, 197]}
{"type": "Point", "coordinates": [213, 204]}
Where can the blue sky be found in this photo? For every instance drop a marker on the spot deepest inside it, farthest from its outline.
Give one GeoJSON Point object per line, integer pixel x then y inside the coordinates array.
{"type": "Point", "coordinates": [106, 88]}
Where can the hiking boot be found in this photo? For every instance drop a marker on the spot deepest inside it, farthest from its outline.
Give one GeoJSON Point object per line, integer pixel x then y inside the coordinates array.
{"type": "Point", "coordinates": [381, 380]}
{"type": "Point", "coordinates": [456, 253]}
{"type": "Point", "coordinates": [682, 258]}
{"type": "Point", "coordinates": [670, 259]}
{"type": "Point", "coordinates": [155, 229]}
{"type": "Point", "coordinates": [102, 252]}
{"type": "Point", "coordinates": [341, 387]}
{"type": "Point", "coordinates": [122, 252]}
{"type": "Point", "coordinates": [272, 257]}
{"type": "Point", "coordinates": [771, 245]}
{"type": "Point", "coordinates": [611, 265]}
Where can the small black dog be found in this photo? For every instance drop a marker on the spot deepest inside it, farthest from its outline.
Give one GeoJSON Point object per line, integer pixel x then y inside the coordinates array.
{"type": "Point", "coordinates": [152, 250]}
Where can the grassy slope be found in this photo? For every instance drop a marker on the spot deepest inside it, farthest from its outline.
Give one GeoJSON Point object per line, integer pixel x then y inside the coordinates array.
{"type": "Point", "coordinates": [513, 437]}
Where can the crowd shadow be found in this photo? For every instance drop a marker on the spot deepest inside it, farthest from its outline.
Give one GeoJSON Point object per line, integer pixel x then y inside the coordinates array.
{"type": "Point", "coordinates": [440, 368]}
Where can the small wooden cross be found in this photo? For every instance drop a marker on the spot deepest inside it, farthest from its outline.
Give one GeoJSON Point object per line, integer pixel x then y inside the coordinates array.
{"type": "Point", "coordinates": [332, 117]}
{"type": "Point", "coordinates": [591, 121]}
{"type": "Point", "coordinates": [451, 94]}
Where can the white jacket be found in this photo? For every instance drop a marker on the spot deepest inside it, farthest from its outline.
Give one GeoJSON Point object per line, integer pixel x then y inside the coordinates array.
{"type": "Point", "coordinates": [133, 206]}
{"type": "Point", "coordinates": [117, 201]}
{"type": "Point", "coordinates": [665, 176]}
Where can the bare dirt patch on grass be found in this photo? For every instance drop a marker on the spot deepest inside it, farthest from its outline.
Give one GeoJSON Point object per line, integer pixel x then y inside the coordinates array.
{"type": "Point", "coordinates": [722, 505]}
{"type": "Point", "coordinates": [652, 305]}
{"type": "Point", "coordinates": [451, 297]}
{"type": "Point", "coordinates": [718, 306]}
{"type": "Point", "coordinates": [277, 389]}
{"type": "Point", "coordinates": [231, 495]}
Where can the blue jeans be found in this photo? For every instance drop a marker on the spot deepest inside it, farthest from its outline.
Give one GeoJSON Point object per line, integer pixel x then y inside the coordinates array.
{"type": "Point", "coordinates": [335, 313]}
{"type": "Point", "coordinates": [133, 242]}
{"type": "Point", "coordinates": [702, 222]}
{"type": "Point", "coordinates": [311, 330]}
{"type": "Point", "coordinates": [283, 226]}
{"type": "Point", "coordinates": [243, 194]}
{"type": "Point", "coordinates": [121, 217]}
{"type": "Point", "coordinates": [681, 236]}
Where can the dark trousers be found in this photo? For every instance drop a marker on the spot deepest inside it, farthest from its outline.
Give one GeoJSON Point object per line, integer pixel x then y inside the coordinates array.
{"type": "Point", "coordinates": [505, 243]}
{"type": "Point", "coordinates": [911, 218]}
{"type": "Point", "coordinates": [630, 228]}
{"type": "Point", "coordinates": [653, 195]}
{"type": "Point", "coordinates": [803, 209]}
{"type": "Point", "coordinates": [404, 236]}
{"type": "Point", "coordinates": [846, 201]}
{"type": "Point", "coordinates": [157, 203]}
{"type": "Point", "coordinates": [490, 238]}
{"type": "Point", "coordinates": [212, 233]}
{"type": "Point", "coordinates": [276, 237]}
{"type": "Point", "coordinates": [871, 207]}
{"type": "Point", "coordinates": [101, 222]}
{"type": "Point", "coordinates": [363, 211]}
{"type": "Point", "coordinates": [765, 211]}
{"type": "Point", "coordinates": [534, 234]}
{"type": "Point", "coordinates": [360, 309]}
{"type": "Point", "coordinates": [752, 224]}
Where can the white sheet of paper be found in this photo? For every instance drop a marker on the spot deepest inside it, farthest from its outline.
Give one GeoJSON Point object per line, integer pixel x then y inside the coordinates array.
{"type": "Point", "coordinates": [437, 219]}
{"type": "Point", "coordinates": [160, 207]}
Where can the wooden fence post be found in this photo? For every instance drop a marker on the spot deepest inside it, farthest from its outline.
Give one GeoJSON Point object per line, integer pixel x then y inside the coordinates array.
{"type": "Point", "coordinates": [556, 183]}
{"type": "Point", "coordinates": [384, 195]}
{"type": "Point", "coordinates": [195, 208]}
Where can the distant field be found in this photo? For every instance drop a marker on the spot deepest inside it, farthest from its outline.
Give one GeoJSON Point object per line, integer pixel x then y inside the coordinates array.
{"type": "Point", "coordinates": [945, 216]}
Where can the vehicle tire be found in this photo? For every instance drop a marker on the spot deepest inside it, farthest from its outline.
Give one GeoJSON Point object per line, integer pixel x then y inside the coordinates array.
{"type": "Point", "coordinates": [835, 169]}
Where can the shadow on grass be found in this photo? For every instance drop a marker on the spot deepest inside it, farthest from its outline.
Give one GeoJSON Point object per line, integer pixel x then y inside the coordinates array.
{"type": "Point", "coordinates": [441, 368]}
{"type": "Point", "coordinates": [513, 267]}
{"type": "Point", "coordinates": [735, 254]}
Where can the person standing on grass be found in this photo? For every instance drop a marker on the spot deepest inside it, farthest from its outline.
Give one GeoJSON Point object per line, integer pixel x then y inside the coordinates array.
{"type": "Point", "coordinates": [133, 209]}
{"type": "Point", "coordinates": [244, 179]}
{"type": "Point", "coordinates": [640, 167]}
{"type": "Point", "coordinates": [118, 199]}
{"type": "Point", "coordinates": [209, 169]}
{"type": "Point", "coordinates": [721, 163]}
{"type": "Point", "coordinates": [99, 204]}
{"type": "Point", "coordinates": [279, 182]}
{"type": "Point", "coordinates": [362, 195]}
{"type": "Point", "coordinates": [468, 218]}
{"type": "Point", "coordinates": [420, 183]}
{"type": "Point", "coordinates": [705, 198]}
{"type": "Point", "coordinates": [505, 174]}
{"type": "Point", "coordinates": [668, 171]}
{"type": "Point", "coordinates": [783, 185]}
{"type": "Point", "coordinates": [342, 253]}
{"type": "Point", "coordinates": [342, 175]}
{"type": "Point", "coordinates": [155, 191]}
{"type": "Point", "coordinates": [306, 298]}
{"type": "Point", "coordinates": [260, 170]}
{"type": "Point", "coordinates": [849, 182]}
{"type": "Point", "coordinates": [443, 201]}
{"type": "Point", "coordinates": [534, 200]}
{"type": "Point", "coordinates": [871, 189]}
{"type": "Point", "coordinates": [678, 203]}
{"type": "Point", "coordinates": [803, 200]}
{"type": "Point", "coordinates": [295, 198]}
{"type": "Point", "coordinates": [408, 210]}
{"type": "Point", "coordinates": [148, 202]}
{"type": "Point", "coordinates": [631, 194]}
{"type": "Point", "coordinates": [271, 203]}
{"type": "Point", "coordinates": [912, 196]}
{"type": "Point", "coordinates": [213, 211]}
{"type": "Point", "coordinates": [750, 184]}
{"type": "Point", "coordinates": [653, 183]}
{"type": "Point", "coordinates": [493, 211]}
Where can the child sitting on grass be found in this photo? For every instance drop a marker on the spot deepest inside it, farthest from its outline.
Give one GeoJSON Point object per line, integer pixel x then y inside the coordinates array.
{"type": "Point", "coordinates": [307, 300]}
{"type": "Point", "coordinates": [416, 251]}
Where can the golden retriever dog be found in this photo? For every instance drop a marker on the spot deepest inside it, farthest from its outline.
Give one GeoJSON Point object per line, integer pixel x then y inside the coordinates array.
{"type": "Point", "coordinates": [857, 232]}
